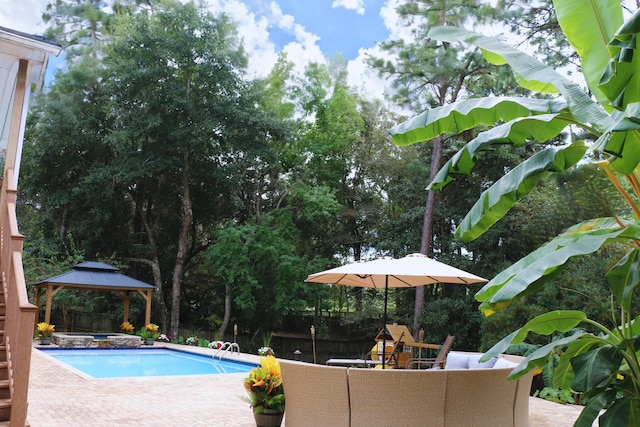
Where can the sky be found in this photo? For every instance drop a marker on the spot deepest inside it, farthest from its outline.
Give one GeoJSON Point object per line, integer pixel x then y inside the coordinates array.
{"type": "Point", "coordinates": [307, 30]}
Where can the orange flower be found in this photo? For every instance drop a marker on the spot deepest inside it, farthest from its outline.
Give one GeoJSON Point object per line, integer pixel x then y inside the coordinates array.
{"type": "Point", "coordinates": [264, 385]}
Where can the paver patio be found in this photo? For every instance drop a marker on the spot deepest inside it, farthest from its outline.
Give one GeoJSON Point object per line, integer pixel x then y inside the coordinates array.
{"type": "Point", "coordinates": [59, 397]}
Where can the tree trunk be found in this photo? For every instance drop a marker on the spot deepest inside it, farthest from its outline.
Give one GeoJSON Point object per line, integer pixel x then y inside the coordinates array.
{"type": "Point", "coordinates": [183, 244]}
{"type": "Point", "coordinates": [154, 263]}
{"type": "Point", "coordinates": [227, 312]}
{"type": "Point", "coordinates": [63, 223]}
{"type": "Point", "coordinates": [427, 227]}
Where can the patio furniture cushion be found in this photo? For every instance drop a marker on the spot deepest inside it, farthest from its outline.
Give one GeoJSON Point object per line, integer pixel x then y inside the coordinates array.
{"type": "Point", "coordinates": [463, 360]}
{"type": "Point", "coordinates": [474, 362]}
{"type": "Point", "coordinates": [504, 363]}
{"type": "Point", "coordinates": [457, 361]}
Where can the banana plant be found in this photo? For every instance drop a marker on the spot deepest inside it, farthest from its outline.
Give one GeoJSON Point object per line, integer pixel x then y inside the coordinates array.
{"type": "Point", "coordinates": [602, 365]}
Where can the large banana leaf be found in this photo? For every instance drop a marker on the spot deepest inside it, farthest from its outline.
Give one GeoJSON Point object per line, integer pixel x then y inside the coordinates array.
{"type": "Point", "coordinates": [545, 324]}
{"type": "Point", "coordinates": [563, 374]}
{"type": "Point", "coordinates": [624, 148]}
{"type": "Point", "coordinates": [624, 277]}
{"type": "Point", "coordinates": [538, 358]}
{"type": "Point", "coordinates": [518, 132]}
{"type": "Point", "coordinates": [463, 115]}
{"type": "Point", "coordinates": [594, 368]}
{"type": "Point", "coordinates": [622, 140]}
{"type": "Point", "coordinates": [621, 79]}
{"type": "Point", "coordinates": [623, 412]}
{"type": "Point", "coordinates": [592, 410]}
{"type": "Point", "coordinates": [533, 74]}
{"type": "Point", "coordinates": [515, 185]}
{"type": "Point", "coordinates": [602, 18]}
{"type": "Point", "coordinates": [531, 272]}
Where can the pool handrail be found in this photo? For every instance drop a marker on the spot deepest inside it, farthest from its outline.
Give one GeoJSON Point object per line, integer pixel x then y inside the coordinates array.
{"type": "Point", "coordinates": [225, 347]}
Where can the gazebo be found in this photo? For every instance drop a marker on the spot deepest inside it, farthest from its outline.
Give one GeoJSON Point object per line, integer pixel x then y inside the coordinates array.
{"type": "Point", "coordinates": [95, 276]}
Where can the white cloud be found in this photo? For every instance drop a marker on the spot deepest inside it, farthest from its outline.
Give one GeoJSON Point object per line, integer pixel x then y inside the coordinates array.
{"type": "Point", "coordinates": [24, 15]}
{"type": "Point", "coordinates": [278, 18]}
{"type": "Point", "coordinates": [365, 79]}
{"type": "Point", "coordinates": [254, 32]}
{"type": "Point", "coordinates": [304, 50]}
{"type": "Point", "coordinates": [397, 28]}
{"type": "Point", "coordinates": [357, 5]}
{"type": "Point", "coordinates": [361, 76]}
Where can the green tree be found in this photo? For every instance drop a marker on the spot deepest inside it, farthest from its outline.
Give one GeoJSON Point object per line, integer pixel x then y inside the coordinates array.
{"type": "Point", "coordinates": [604, 365]}
{"type": "Point", "coordinates": [424, 75]}
{"type": "Point", "coordinates": [187, 132]}
{"type": "Point", "coordinates": [64, 185]}
{"type": "Point", "coordinates": [80, 25]}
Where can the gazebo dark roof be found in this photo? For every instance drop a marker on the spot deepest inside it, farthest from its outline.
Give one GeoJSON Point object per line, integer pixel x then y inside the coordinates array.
{"type": "Point", "coordinates": [96, 276]}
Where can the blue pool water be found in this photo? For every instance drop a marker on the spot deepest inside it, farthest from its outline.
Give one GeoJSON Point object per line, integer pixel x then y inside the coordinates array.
{"type": "Point", "coordinates": [118, 363]}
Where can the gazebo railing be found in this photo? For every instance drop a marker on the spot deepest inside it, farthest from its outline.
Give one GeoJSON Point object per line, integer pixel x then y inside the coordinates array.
{"type": "Point", "coordinates": [20, 314]}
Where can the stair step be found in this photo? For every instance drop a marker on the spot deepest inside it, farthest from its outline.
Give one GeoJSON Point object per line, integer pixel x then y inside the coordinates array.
{"type": "Point", "coordinates": [5, 391]}
{"type": "Point", "coordinates": [5, 410]}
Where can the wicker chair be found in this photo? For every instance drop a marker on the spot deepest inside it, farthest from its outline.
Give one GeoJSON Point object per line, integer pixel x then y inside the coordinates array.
{"type": "Point", "coordinates": [316, 395]}
{"type": "Point", "coordinates": [397, 397]}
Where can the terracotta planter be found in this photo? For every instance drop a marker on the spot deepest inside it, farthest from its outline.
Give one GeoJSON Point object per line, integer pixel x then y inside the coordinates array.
{"type": "Point", "coordinates": [269, 418]}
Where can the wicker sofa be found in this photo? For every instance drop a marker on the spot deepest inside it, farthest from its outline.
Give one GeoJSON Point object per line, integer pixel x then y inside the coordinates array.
{"type": "Point", "coordinates": [465, 393]}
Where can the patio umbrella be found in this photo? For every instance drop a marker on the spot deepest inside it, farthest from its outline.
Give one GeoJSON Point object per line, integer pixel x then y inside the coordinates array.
{"type": "Point", "coordinates": [384, 273]}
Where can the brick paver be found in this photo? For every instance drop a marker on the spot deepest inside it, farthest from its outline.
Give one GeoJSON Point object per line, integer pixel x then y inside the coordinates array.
{"type": "Point", "coordinates": [59, 397]}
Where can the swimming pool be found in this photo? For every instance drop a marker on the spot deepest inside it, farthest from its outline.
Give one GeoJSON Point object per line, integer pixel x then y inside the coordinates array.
{"type": "Point", "coordinates": [120, 363]}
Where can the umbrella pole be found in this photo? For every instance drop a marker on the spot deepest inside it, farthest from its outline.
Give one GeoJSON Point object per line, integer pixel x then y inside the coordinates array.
{"type": "Point", "coordinates": [384, 318]}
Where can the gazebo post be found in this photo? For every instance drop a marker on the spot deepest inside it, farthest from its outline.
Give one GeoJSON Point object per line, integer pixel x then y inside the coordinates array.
{"type": "Point", "coordinates": [126, 297]}
{"type": "Point", "coordinates": [50, 294]}
{"type": "Point", "coordinates": [147, 314]}
{"type": "Point", "coordinates": [38, 310]}
{"type": "Point", "coordinates": [47, 310]}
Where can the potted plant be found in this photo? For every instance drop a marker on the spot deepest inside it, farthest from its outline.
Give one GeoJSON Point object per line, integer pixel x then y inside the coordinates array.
{"type": "Point", "coordinates": [149, 333]}
{"type": "Point", "coordinates": [266, 351]}
{"type": "Point", "coordinates": [127, 328]}
{"type": "Point", "coordinates": [265, 392]}
{"type": "Point", "coordinates": [45, 332]}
